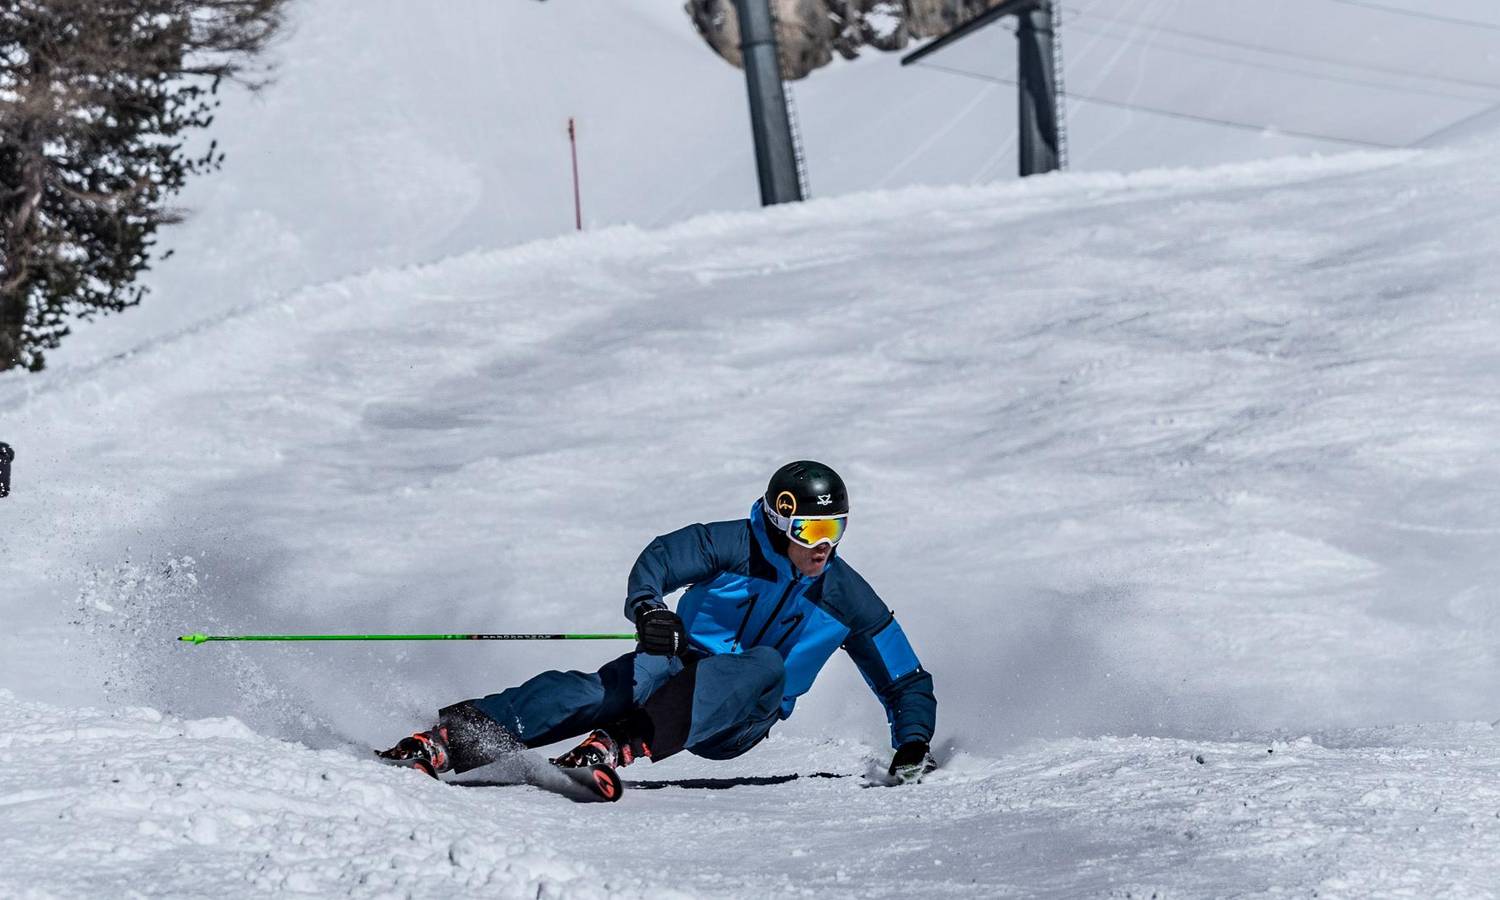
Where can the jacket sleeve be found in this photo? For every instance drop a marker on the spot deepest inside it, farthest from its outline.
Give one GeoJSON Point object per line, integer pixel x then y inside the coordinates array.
{"type": "Point", "coordinates": [885, 657]}
{"type": "Point", "coordinates": [683, 557]}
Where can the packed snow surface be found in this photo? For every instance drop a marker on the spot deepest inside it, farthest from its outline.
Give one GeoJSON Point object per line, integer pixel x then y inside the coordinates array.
{"type": "Point", "coordinates": [209, 808]}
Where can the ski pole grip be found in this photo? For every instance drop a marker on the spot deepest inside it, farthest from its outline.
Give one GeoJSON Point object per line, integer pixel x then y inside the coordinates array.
{"type": "Point", "coordinates": [6, 456]}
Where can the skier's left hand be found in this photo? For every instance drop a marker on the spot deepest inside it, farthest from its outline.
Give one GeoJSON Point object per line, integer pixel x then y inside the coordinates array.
{"type": "Point", "coordinates": [912, 761]}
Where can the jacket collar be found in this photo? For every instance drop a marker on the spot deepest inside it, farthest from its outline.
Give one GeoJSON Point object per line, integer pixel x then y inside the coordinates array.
{"type": "Point", "coordinates": [765, 561]}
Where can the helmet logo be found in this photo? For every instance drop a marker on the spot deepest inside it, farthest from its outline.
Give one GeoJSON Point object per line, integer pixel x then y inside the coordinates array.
{"type": "Point", "coordinates": [786, 504]}
{"type": "Point", "coordinates": [825, 499]}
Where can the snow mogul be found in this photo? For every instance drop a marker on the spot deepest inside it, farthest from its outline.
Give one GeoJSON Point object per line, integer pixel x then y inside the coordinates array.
{"type": "Point", "coordinates": [768, 601]}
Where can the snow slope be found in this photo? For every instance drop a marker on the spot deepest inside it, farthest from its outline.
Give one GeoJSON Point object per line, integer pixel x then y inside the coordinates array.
{"type": "Point", "coordinates": [1211, 451]}
{"type": "Point", "coordinates": [398, 133]}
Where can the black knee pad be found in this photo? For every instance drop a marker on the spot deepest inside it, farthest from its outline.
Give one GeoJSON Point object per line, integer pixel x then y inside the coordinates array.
{"type": "Point", "coordinates": [669, 712]}
{"type": "Point", "coordinates": [474, 739]}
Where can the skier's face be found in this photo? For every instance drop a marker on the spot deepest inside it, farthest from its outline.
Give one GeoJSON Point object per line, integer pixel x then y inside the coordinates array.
{"type": "Point", "coordinates": [809, 562]}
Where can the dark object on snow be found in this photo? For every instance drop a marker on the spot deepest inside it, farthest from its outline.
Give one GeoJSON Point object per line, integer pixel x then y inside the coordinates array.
{"type": "Point", "coordinates": [912, 761]}
{"type": "Point", "coordinates": [6, 455]}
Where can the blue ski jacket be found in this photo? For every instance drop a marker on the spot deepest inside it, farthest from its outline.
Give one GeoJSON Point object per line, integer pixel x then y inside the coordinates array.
{"type": "Point", "coordinates": [745, 594]}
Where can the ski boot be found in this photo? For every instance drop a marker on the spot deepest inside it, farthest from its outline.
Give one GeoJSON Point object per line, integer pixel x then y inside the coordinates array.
{"type": "Point", "coordinates": [425, 751]}
{"type": "Point", "coordinates": [912, 762]}
{"type": "Point", "coordinates": [463, 739]}
{"type": "Point", "coordinates": [615, 746]}
{"type": "Point", "coordinates": [594, 763]}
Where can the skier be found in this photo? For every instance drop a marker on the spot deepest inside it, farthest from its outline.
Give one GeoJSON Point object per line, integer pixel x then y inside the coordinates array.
{"type": "Point", "coordinates": [768, 601]}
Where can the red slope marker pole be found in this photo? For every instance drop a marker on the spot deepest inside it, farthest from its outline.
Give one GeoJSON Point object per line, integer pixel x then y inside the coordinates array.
{"type": "Point", "coordinates": [577, 198]}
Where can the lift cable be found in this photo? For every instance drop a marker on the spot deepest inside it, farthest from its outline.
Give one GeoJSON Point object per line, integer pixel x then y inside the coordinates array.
{"type": "Point", "coordinates": [1178, 114]}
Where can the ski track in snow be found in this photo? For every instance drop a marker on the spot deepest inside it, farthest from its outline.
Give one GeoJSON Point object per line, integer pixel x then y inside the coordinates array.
{"type": "Point", "coordinates": [209, 808]}
{"type": "Point", "coordinates": [1219, 446]}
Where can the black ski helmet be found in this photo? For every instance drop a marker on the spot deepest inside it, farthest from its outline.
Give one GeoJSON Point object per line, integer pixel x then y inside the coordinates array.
{"type": "Point", "coordinates": [806, 488]}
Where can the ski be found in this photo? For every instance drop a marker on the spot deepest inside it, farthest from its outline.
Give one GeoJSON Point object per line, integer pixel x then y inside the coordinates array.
{"type": "Point", "coordinates": [600, 781]}
{"type": "Point", "coordinates": [584, 784]}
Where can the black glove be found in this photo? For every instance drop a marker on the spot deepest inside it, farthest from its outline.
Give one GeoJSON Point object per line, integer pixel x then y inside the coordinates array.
{"type": "Point", "coordinates": [912, 761]}
{"type": "Point", "coordinates": [661, 632]}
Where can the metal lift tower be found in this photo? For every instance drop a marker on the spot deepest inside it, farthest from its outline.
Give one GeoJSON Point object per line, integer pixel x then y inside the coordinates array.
{"type": "Point", "coordinates": [775, 153]}
{"type": "Point", "coordinates": [1036, 77]}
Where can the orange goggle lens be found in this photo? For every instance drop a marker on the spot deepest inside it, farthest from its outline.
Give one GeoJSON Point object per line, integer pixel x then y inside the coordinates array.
{"type": "Point", "coordinates": [812, 532]}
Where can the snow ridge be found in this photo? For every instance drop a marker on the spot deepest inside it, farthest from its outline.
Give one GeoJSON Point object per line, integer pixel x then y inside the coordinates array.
{"type": "Point", "coordinates": [209, 808]}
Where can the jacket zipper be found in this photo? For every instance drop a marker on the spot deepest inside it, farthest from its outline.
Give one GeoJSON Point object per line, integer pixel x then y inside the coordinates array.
{"type": "Point", "coordinates": [740, 632]}
{"type": "Point", "coordinates": [794, 621]}
{"type": "Point", "coordinates": [774, 613]}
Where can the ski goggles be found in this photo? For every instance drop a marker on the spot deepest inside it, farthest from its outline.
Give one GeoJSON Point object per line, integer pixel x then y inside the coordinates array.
{"type": "Point", "coordinates": [810, 531]}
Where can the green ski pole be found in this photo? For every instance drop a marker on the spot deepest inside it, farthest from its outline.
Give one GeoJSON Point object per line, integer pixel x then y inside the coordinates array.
{"type": "Point", "coordinates": [204, 638]}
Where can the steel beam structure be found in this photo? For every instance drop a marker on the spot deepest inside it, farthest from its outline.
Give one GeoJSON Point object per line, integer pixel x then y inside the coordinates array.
{"type": "Point", "coordinates": [775, 153]}
{"type": "Point", "coordinates": [1036, 77]}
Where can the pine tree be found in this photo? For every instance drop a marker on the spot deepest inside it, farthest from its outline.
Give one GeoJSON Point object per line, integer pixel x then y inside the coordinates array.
{"type": "Point", "coordinates": [98, 99]}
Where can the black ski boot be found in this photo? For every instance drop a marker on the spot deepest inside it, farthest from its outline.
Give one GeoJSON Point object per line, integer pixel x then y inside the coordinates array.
{"type": "Point", "coordinates": [463, 739]}
{"type": "Point", "coordinates": [616, 746]}
{"type": "Point", "coordinates": [594, 762]}
{"type": "Point", "coordinates": [425, 751]}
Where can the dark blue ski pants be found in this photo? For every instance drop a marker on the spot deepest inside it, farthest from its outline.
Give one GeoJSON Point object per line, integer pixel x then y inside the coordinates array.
{"type": "Point", "coordinates": [735, 699]}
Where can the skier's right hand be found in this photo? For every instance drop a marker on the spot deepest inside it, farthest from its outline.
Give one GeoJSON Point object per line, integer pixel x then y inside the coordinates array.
{"type": "Point", "coordinates": [661, 632]}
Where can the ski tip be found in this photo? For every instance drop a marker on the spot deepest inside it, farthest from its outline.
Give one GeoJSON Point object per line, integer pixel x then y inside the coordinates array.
{"type": "Point", "coordinates": [599, 783]}
{"type": "Point", "coordinates": [607, 783]}
{"type": "Point", "coordinates": [194, 638]}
